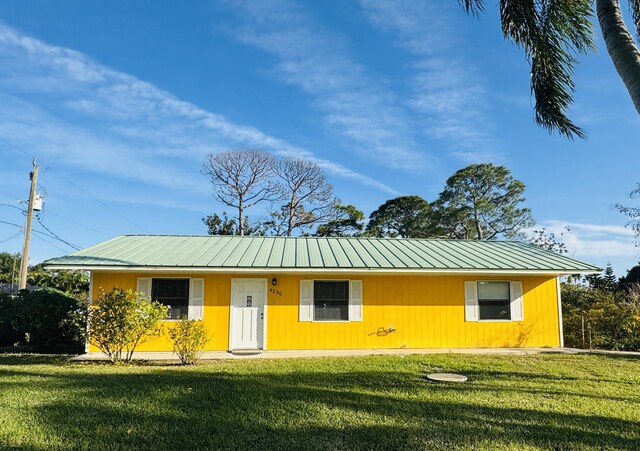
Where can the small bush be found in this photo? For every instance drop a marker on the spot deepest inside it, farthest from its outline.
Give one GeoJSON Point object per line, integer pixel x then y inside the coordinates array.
{"type": "Point", "coordinates": [121, 319]}
{"type": "Point", "coordinates": [188, 337]}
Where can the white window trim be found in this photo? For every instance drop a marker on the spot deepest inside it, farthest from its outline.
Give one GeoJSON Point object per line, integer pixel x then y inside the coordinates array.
{"type": "Point", "coordinates": [478, 303]}
{"type": "Point", "coordinates": [174, 320]}
{"type": "Point", "coordinates": [313, 300]}
{"type": "Point", "coordinates": [349, 300]}
{"type": "Point", "coordinates": [511, 300]}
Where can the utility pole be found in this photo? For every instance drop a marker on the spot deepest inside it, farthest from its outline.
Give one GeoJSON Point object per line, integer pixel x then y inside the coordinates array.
{"type": "Point", "coordinates": [27, 228]}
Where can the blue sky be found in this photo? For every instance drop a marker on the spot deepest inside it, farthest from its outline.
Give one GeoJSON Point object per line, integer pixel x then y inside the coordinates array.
{"type": "Point", "coordinates": [121, 100]}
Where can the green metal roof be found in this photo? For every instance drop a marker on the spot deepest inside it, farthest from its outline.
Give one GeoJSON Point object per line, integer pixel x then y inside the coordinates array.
{"type": "Point", "coordinates": [312, 253]}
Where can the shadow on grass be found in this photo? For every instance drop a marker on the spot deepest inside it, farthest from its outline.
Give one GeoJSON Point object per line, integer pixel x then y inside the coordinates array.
{"type": "Point", "coordinates": [11, 359]}
{"type": "Point", "coordinates": [218, 407]}
{"type": "Point", "coordinates": [624, 357]}
{"type": "Point", "coordinates": [510, 376]}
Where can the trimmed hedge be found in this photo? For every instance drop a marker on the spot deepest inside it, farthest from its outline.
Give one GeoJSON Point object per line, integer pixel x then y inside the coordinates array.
{"type": "Point", "coordinates": [39, 319]}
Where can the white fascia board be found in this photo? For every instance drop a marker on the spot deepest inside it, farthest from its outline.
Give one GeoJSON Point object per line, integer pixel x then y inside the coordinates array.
{"type": "Point", "coordinates": [560, 325]}
{"type": "Point", "coordinates": [354, 271]}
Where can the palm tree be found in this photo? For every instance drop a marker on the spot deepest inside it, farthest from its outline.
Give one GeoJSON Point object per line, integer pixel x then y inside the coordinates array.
{"type": "Point", "coordinates": [552, 33]}
{"type": "Point", "coordinates": [620, 44]}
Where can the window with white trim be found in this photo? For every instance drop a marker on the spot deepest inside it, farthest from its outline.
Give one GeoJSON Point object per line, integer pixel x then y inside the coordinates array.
{"type": "Point", "coordinates": [173, 293]}
{"type": "Point", "coordinates": [184, 295]}
{"type": "Point", "coordinates": [494, 301]}
{"type": "Point", "coordinates": [331, 300]}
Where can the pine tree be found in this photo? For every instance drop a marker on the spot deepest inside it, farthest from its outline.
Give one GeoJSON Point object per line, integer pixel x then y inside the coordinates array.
{"type": "Point", "coordinates": [595, 281]}
{"type": "Point", "coordinates": [609, 279]}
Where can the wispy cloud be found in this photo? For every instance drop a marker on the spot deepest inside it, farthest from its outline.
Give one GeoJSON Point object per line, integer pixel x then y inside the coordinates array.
{"type": "Point", "coordinates": [592, 240]}
{"type": "Point", "coordinates": [447, 93]}
{"type": "Point", "coordinates": [92, 117]}
{"type": "Point", "coordinates": [354, 103]}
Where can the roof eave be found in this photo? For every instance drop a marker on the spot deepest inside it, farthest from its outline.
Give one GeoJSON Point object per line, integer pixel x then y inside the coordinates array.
{"type": "Point", "coordinates": [293, 270]}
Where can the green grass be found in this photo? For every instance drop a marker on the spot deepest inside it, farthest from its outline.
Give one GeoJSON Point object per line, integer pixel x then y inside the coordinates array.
{"type": "Point", "coordinates": [378, 402]}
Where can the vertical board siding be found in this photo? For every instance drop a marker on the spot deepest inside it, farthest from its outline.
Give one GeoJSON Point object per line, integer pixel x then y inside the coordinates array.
{"type": "Point", "coordinates": [426, 312]}
{"type": "Point", "coordinates": [217, 298]}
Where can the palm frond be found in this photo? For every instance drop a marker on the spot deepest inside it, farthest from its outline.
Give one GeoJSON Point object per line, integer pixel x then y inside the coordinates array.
{"type": "Point", "coordinates": [551, 32]}
{"type": "Point", "coordinates": [472, 7]}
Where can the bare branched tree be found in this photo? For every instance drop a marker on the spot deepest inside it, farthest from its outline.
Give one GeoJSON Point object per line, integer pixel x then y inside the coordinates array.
{"type": "Point", "coordinates": [307, 194]}
{"type": "Point", "coordinates": [241, 178]}
{"type": "Point", "coordinates": [632, 212]}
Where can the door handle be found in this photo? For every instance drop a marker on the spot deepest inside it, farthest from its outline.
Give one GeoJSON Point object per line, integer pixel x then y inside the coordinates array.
{"type": "Point", "coordinates": [262, 315]}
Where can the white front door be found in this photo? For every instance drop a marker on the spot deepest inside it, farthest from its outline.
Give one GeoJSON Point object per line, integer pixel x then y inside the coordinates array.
{"type": "Point", "coordinates": [248, 299]}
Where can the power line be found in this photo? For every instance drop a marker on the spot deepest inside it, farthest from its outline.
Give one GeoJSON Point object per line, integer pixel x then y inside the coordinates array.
{"type": "Point", "coordinates": [57, 215]}
{"type": "Point", "coordinates": [17, 148]}
{"type": "Point", "coordinates": [49, 168]}
{"type": "Point", "coordinates": [50, 243]}
{"type": "Point", "coordinates": [44, 234]}
{"type": "Point", "coordinates": [77, 223]}
{"type": "Point", "coordinates": [96, 199]}
{"type": "Point", "coordinates": [11, 223]}
{"type": "Point", "coordinates": [55, 235]}
{"type": "Point", "coordinates": [11, 237]}
{"type": "Point", "coordinates": [12, 206]}
{"type": "Point", "coordinates": [9, 196]}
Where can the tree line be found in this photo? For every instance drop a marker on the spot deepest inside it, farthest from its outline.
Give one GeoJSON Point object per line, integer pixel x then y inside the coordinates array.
{"type": "Point", "coordinates": [602, 311]}
{"type": "Point", "coordinates": [480, 201]}
{"type": "Point", "coordinates": [76, 283]}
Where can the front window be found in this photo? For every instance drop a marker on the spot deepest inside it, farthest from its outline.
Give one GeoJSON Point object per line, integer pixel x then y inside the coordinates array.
{"type": "Point", "coordinates": [494, 300]}
{"type": "Point", "coordinates": [173, 293]}
{"type": "Point", "coordinates": [330, 300]}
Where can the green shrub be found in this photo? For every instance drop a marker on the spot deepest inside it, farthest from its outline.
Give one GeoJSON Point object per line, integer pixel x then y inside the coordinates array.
{"type": "Point", "coordinates": [601, 319]}
{"type": "Point", "coordinates": [8, 333]}
{"type": "Point", "coordinates": [39, 319]}
{"type": "Point", "coordinates": [188, 337]}
{"type": "Point", "coordinates": [121, 319]}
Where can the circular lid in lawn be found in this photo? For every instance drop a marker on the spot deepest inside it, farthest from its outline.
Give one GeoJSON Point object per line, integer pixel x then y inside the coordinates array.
{"type": "Point", "coordinates": [446, 377]}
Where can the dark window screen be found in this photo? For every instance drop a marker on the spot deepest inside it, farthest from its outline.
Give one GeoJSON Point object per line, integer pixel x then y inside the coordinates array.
{"type": "Point", "coordinates": [494, 300]}
{"type": "Point", "coordinates": [331, 300]}
{"type": "Point", "coordinates": [173, 293]}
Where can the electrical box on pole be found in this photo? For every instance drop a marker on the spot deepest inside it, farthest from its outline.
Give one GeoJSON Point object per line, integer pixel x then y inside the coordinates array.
{"type": "Point", "coordinates": [38, 200]}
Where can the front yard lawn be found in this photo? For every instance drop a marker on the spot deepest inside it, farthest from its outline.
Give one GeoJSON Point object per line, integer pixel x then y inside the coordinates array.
{"type": "Point", "coordinates": [377, 402]}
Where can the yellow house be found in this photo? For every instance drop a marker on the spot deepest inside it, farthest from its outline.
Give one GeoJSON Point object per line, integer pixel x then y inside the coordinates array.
{"type": "Point", "coordinates": [276, 293]}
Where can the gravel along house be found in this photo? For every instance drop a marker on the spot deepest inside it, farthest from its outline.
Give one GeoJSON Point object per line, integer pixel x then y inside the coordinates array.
{"type": "Point", "coordinates": [305, 293]}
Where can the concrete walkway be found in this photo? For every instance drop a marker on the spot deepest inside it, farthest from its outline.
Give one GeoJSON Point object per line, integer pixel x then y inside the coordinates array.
{"type": "Point", "coordinates": [223, 355]}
